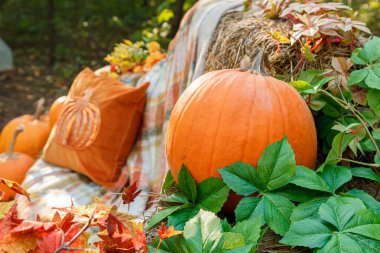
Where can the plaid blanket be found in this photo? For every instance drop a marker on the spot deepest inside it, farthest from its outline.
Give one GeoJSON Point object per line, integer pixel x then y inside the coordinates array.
{"type": "Point", "coordinates": [52, 186]}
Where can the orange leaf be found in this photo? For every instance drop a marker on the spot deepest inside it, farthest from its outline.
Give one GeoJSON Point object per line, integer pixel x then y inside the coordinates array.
{"type": "Point", "coordinates": [130, 193]}
{"type": "Point", "coordinates": [15, 187]}
{"type": "Point", "coordinates": [165, 233]}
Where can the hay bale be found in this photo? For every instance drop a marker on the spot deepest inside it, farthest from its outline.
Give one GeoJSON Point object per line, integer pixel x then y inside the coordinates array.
{"type": "Point", "coordinates": [242, 33]}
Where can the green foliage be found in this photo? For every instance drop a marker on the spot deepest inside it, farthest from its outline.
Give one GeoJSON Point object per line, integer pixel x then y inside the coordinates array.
{"type": "Point", "coordinates": [205, 232]}
{"type": "Point", "coordinates": [209, 195]}
{"type": "Point", "coordinates": [308, 208]}
{"type": "Point", "coordinates": [369, 56]}
{"type": "Point", "coordinates": [336, 228]}
{"type": "Point", "coordinates": [346, 125]}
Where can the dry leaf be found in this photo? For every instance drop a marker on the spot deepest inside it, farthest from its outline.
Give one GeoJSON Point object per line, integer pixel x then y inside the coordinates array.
{"type": "Point", "coordinates": [130, 193]}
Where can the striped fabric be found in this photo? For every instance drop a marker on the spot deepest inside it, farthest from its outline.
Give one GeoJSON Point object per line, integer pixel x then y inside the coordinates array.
{"type": "Point", "coordinates": [52, 186]}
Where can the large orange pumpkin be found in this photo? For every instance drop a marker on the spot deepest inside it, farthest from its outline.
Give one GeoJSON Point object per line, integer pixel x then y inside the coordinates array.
{"type": "Point", "coordinates": [55, 110]}
{"type": "Point", "coordinates": [231, 115]}
{"type": "Point", "coordinates": [13, 166]}
{"type": "Point", "coordinates": [33, 138]}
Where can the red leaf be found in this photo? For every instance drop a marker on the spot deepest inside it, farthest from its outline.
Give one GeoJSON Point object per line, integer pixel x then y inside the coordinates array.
{"type": "Point", "coordinates": [9, 221]}
{"type": "Point", "coordinates": [36, 227]}
{"type": "Point", "coordinates": [53, 240]}
{"type": "Point", "coordinates": [111, 223]}
{"type": "Point", "coordinates": [130, 193]}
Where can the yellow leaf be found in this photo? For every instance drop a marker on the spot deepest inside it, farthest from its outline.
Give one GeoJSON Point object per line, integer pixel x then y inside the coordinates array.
{"type": "Point", "coordinates": [4, 208]}
{"type": "Point", "coordinates": [278, 36]}
{"type": "Point", "coordinates": [19, 244]}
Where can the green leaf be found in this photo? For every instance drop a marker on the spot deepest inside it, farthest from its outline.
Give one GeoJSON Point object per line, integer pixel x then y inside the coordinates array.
{"type": "Point", "coordinates": [373, 78]}
{"type": "Point", "coordinates": [276, 166]}
{"type": "Point", "coordinates": [163, 214]}
{"type": "Point", "coordinates": [277, 211]}
{"type": "Point", "coordinates": [365, 223]}
{"type": "Point", "coordinates": [312, 76]}
{"type": "Point", "coordinates": [335, 176]}
{"type": "Point", "coordinates": [357, 76]}
{"type": "Point", "coordinates": [357, 58]}
{"type": "Point", "coordinates": [176, 198]}
{"type": "Point", "coordinates": [317, 105]}
{"type": "Point", "coordinates": [367, 199]}
{"type": "Point", "coordinates": [339, 145]}
{"type": "Point", "coordinates": [212, 193]}
{"type": "Point", "coordinates": [336, 214]}
{"type": "Point", "coordinates": [187, 184]}
{"type": "Point", "coordinates": [297, 194]}
{"type": "Point", "coordinates": [341, 243]}
{"type": "Point", "coordinates": [309, 56]}
{"type": "Point", "coordinates": [250, 229]}
{"type": "Point", "coordinates": [371, 51]}
{"type": "Point", "coordinates": [373, 98]}
{"type": "Point", "coordinates": [232, 240]}
{"type": "Point", "coordinates": [179, 218]}
{"type": "Point", "coordinates": [226, 227]}
{"type": "Point", "coordinates": [301, 85]}
{"type": "Point", "coordinates": [246, 207]}
{"type": "Point", "coordinates": [309, 179]}
{"type": "Point", "coordinates": [239, 177]}
{"type": "Point", "coordinates": [365, 173]}
{"type": "Point", "coordinates": [202, 231]}
{"type": "Point", "coordinates": [307, 233]}
{"type": "Point", "coordinates": [369, 245]}
{"type": "Point", "coordinates": [174, 244]}
{"type": "Point", "coordinates": [308, 209]}
{"type": "Point", "coordinates": [168, 182]}
{"type": "Point", "coordinates": [331, 110]}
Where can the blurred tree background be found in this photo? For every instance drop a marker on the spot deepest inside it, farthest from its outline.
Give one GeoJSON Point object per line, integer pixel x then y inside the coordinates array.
{"type": "Point", "coordinates": [82, 32]}
{"type": "Point", "coordinates": [52, 40]}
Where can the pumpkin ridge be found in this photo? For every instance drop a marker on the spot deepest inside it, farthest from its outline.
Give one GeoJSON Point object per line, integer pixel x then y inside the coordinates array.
{"type": "Point", "coordinates": [284, 112]}
{"type": "Point", "coordinates": [171, 141]}
{"type": "Point", "coordinates": [254, 91]}
{"type": "Point", "coordinates": [220, 116]}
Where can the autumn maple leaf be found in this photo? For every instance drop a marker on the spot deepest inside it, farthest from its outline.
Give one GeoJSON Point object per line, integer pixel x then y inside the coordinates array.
{"type": "Point", "coordinates": [130, 193]}
{"type": "Point", "coordinates": [165, 233]}
{"type": "Point", "coordinates": [53, 241]}
{"type": "Point", "coordinates": [64, 223]}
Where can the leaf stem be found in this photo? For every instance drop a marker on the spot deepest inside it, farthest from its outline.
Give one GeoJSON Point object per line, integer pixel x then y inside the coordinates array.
{"type": "Point", "coordinates": [66, 246]}
{"type": "Point", "coordinates": [158, 246]}
{"type": "Point", "coordinates": [348, 106]}
{"type": "Point", "coordinates": [361, 163]}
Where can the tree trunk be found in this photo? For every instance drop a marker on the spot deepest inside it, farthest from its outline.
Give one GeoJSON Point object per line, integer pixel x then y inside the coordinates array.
{"type": "Point", "coordinates": [176, 21]}
{"type": "Point", "coordinates": [51, 31]}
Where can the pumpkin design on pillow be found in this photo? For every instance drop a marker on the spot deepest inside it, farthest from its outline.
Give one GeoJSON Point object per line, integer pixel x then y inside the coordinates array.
{"type": "Point", "coordinates": [79, 122]}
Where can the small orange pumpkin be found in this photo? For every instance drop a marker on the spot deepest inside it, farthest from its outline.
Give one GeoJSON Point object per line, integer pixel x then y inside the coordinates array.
{"type": "Point", "coordinates": [13, 166]}
{"type": "Point", "coordinates": [33, 138]}
{"type": "Point", "coordinates": [78, 123]}
{"type": "Point", "coordinates": [232, 115]}
{"type": "Point", "coordinates": [55, 110]}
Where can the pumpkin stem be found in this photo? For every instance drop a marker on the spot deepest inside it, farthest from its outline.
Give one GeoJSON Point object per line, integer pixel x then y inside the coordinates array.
{"type": "Point", "coordinates": [18, 130]}
{"type": "Point", "coordinates": [260, 64]}
{"type": "Point", "coordinates": [39, 109]}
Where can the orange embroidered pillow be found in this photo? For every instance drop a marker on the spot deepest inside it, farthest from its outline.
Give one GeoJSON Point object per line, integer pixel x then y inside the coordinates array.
{"type": "Point", "coordinates": [97, 127]}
